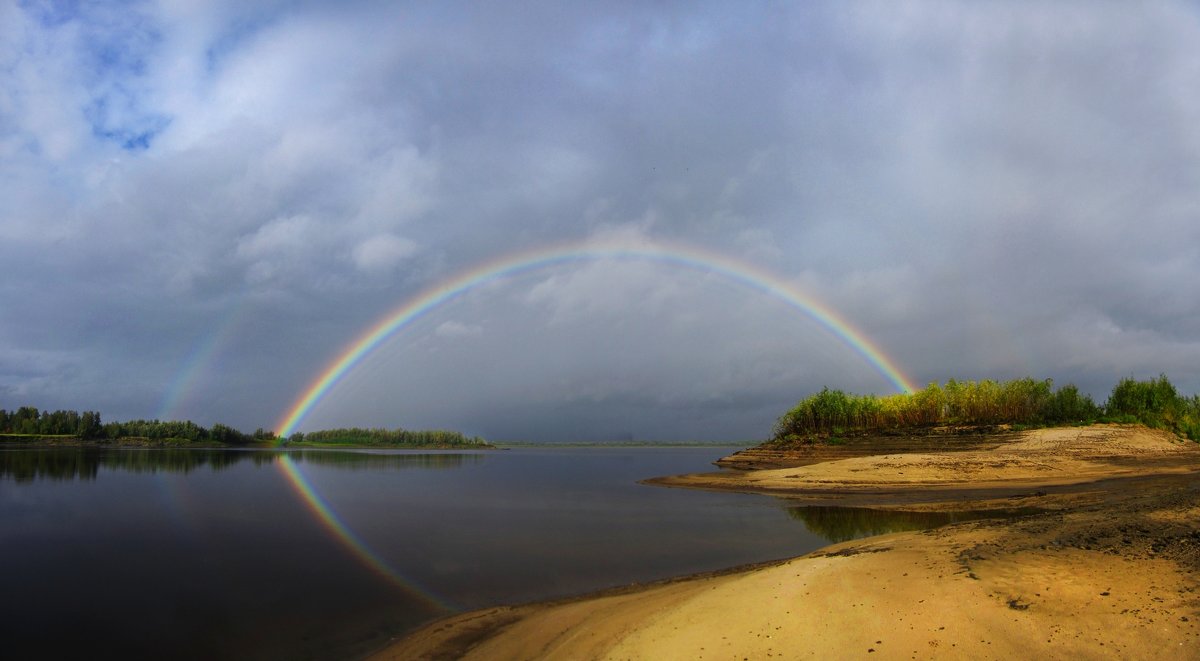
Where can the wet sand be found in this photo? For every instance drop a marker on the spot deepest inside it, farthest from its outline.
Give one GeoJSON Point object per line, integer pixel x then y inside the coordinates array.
{"type": "Point", "coordinates": [1108, 570]}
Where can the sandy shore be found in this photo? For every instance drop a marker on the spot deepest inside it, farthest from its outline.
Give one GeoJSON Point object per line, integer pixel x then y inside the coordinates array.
{"type": "Point", "coordinates": [1043, 457]}
{"type": "Point", "coordinates": [1110, 569]}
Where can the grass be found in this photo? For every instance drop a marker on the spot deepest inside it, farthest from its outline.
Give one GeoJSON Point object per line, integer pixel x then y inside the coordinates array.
{"type": "Point", "coordinates": [1018, 404]}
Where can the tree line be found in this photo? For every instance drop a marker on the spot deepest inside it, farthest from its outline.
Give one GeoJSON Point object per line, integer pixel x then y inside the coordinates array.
{"type": "Point", "coordinates": [28, 421]}
{"type": "Point", "coordinates": [1026, 402]}
{"type": "Point", "coordinates": [385, 437]}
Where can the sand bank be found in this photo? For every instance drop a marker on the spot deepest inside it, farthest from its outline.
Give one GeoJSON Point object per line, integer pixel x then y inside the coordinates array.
{"type": "Point", "coordinates": [1032, 459]}
{"type": "Point", "coordinates": [1109, 571]}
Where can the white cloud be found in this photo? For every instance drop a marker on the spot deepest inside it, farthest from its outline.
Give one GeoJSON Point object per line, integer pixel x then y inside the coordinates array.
{"type": "Point", "coordinates": [457, 329]}
{"type": "Point", "coordinates": [280, 246]}
{"type": "Point", "coordinates": [382, 252]}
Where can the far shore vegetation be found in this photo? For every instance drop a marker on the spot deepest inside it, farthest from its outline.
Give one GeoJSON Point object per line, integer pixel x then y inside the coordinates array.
{"type": "Point", "coordinates": [29, 426]}
{"type": "Point", "coordinates": [1016, 404]}
{"type": "Point", "coordinates": [384, 438]}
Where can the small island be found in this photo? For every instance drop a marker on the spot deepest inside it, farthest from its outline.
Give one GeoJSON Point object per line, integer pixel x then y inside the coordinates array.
{"type": "Point", "coordinates": [1077, 535]}
{"type": "Point", "coordinates": [29, 427]}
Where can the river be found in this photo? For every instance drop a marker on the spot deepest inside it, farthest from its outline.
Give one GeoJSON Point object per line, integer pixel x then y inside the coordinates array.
{"type": "Point", "coordinates": [327, 554]}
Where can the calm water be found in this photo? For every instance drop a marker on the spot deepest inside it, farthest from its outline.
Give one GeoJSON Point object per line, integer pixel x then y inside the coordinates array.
{"type": "Point", "coordinates": [203, 554]}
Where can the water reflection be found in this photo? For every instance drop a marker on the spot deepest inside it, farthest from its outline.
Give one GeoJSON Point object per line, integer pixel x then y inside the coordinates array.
{"type": "Point", "coordinates": [840, 524]}
{"type": "Point", "coordinates": [229, 563]}
{"type": "Point", "coordinates": [84, 463]}
{"type": "Point", "coordinates": [389, 460]}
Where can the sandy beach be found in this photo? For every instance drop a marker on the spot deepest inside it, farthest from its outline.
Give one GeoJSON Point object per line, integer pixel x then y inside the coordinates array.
{"type": "Point", "coordinates": [1106, 568]}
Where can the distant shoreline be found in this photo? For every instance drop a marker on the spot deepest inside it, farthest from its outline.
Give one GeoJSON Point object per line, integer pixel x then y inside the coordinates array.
{"type": "Point", "coordinates": [36, 441]}
{"type": "Point", "coordinates": [31, 441]}
{"type": "Point", "coordinates": [306, 445]}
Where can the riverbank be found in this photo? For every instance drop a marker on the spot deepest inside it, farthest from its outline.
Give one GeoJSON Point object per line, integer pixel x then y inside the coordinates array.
{"type": "Point", "coordinates": [1021, 460]}
{"type": "Point", "coordinates": [1108, 570]}
{"type": "Point", "coordinates": [36, 441]}
{"type": "Point", "coordinates": [307, 445]}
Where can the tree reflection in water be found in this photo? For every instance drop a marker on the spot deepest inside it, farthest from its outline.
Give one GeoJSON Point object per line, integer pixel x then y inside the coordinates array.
{"type": "Point", "coordinates": [27, 465]}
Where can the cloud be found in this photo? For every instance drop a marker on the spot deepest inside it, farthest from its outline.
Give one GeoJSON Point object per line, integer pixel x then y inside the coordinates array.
{"type": "Point", "coordinates": [280, 245]}
{"type": "Point", "coordinates": [985, 190]}
{"type": "Point", "coordinates": [457, 329]}
{"type": "Point", "coordinates": [382, 252]}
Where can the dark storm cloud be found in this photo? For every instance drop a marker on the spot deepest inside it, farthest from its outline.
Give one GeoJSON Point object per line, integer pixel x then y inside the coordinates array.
{"type": "Point", "coordinates": [203, 203]}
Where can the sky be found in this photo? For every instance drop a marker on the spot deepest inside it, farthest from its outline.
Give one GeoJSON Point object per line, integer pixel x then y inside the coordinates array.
{"type": "Point", "coordinates": [204, 204]}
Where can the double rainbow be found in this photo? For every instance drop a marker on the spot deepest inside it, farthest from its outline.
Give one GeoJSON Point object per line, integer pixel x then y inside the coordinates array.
{"type": "Point", "coordinates": [686, 257]}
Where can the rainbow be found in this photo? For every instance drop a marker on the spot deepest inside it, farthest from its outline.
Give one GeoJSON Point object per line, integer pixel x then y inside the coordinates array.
{"type": "Point", "coordinates": [750, 276]}
{"type": "Point", "coordinates": [199, 361]}
{"type": "Point", "coordinates": [692, 258]}
{"type": "Point", "coordinates": [349, 539]}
